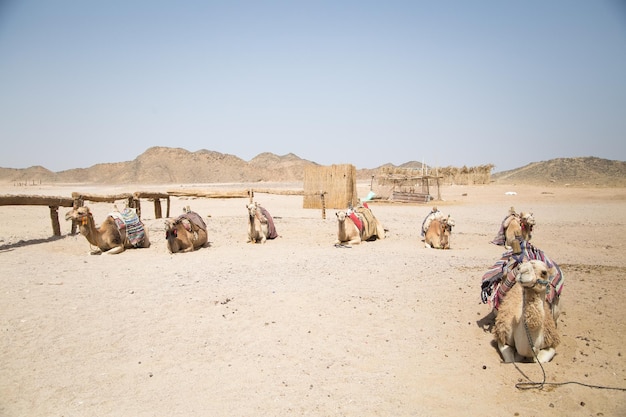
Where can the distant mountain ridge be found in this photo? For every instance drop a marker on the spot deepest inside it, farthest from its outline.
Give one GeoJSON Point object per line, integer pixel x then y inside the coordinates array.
{"type": "Point", "coordinates": [164, 165]}
{"type": "Point", "coordinates": [582, 171]}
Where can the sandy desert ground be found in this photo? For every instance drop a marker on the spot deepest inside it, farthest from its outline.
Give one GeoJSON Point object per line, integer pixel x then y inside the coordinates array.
{"type": "Point", "coordinates": [298, 327]}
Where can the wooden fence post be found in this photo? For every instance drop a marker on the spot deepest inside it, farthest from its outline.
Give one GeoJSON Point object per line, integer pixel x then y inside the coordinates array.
{"type": "Point", "coordinates": [137, 206]}
{"type": "Point", "coordinates": [54, 217]}
{"type": "Point", "coordinates": [157, 208]}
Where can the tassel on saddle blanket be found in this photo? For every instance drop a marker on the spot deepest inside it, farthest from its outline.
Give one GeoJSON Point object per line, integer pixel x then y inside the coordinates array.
{"type": "Point", "coordinates": [128, 219]}
{"type": "Point", "coordinates": [500, 278]}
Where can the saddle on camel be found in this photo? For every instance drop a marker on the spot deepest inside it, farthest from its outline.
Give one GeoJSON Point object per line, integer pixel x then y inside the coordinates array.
{"type": "Point", "coordinates": [357, 225]}
{"type": "Point", "coordinates": [501, 277]}
{"type": "Point", "coordinates": [515, 228]}
{"type": "Point", "coordinates": [186, 233]}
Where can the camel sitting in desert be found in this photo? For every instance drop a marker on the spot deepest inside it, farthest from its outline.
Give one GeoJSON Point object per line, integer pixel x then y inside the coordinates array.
{"type": "Point", "coordinates": [358, 225]}
{"type": "Point", "coordinates": [121, 230]}
{"type": "Point", "coordinates": [437, 235]}
{"type": "Point", "coordinates": [525, 326]}
{"type": "Point", "coordinates": [520, 226]}
{"type": "Point", "coordinates": [186, 233]}
{"type": "Point", "coordinates": [260, 224]}
{"type": "Point", "coordinates": [515, 227]}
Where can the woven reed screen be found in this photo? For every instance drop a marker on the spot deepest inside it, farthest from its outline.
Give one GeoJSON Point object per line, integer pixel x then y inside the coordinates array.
{"type": "Point", "coordinates": [338, 182]}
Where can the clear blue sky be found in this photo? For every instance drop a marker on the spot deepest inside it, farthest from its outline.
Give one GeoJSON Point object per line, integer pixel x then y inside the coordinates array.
{"type": "Point", "coordinates": [450, 83]}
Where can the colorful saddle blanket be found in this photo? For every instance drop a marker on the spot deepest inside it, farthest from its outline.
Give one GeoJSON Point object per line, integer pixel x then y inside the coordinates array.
{"type": "Point", "coordinates": [356, 220]}
{"type": "Point", "coordinates": [500, 278]}
{"type": "Point", "coordinates": [194, 218]}
{"type": "Point", "coordinates": [500, 238]}
{"type": "Point", "coordinates": [128, 220]}
{"type": "Point", "coordinates": [272, 234]}
{"type": "Point", "coordinates": [367, 219]}
{"type": "Point", "coordinates": [428, 219]}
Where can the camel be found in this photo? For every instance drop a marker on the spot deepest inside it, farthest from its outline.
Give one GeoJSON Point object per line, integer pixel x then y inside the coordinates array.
{"type": "Point", "coordinates": [119, 231]}
{"type": "Point", "coordinates": [186, 233]}
{"type": "Point", "coordinates": [438, 233]}
{"type": "Point", "coordinates": [358, 225]}
{"type": "Point", "coordinates": [519, 226]}
{"type": "Point", "coordinates": [260, 224]}
{"type": "Point", "coordinates": [515, 227]}
{"type": "Point", "coordinates": [525, 327]}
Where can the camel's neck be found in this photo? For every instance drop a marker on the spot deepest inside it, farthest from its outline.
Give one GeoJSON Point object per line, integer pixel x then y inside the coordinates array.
{"type": "Point", "coordinates": [533, 308]}
{"type": "Point", "coordinates": [253, 219]}
{"type": "Point", "coordinates": [173, 243]}
{"type": "Point", "coordinates": [344, 226]}
{"type": "Point", "coordinates": [89, 230]}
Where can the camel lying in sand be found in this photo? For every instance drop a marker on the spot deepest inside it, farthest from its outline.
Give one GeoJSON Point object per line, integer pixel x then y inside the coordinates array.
{"type": "Point", "coordinates": [186, 233]}
{"type": "Point", "coordinates": [358, 225]}
{"type": "Point", "coordinates": [525, 326]}
{"type": "Point", "coordinates": [519, 226]}
{"type": "Point", "coordinates": [119, 231]}
{"type": "Point", "coordinates": [438, 233]}
{"type": "Point", "coordinates": [515, 227]}
{"type": "Point", "coordinates": [260, 224]}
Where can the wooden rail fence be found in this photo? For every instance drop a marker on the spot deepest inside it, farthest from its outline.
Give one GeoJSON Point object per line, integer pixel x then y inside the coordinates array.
{"type": "Point", "coordinates": [132, 200]}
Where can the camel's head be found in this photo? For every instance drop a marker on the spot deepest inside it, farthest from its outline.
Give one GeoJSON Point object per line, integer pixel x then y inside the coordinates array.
{"type": "Point", "coordinates": [79, 214]}
{"type": "Point", "coordinates": [534, 274]}
{"type": "Point", "coordinates": [170, 229]}
{"type": "Point", "coordinates": [251, 209]}
{"type": "Point", "coordinates": [448, 223]}
{"type": "Point", "coordinates": [341, 215]}
{"type": "Point", "coordinates": [528, 219]}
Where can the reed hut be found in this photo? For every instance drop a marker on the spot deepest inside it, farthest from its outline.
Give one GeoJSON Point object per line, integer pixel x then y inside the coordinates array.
{"type": "Point", "coordinates": [331, 187]}
{"type": "Point", "coordinates": [409, 185]}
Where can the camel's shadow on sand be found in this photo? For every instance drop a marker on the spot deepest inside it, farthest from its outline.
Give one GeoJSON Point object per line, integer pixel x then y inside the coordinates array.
{"type": "Point", "coordinates": [10, 246]}
{"type": "Point", "coordinates": [487, 322]}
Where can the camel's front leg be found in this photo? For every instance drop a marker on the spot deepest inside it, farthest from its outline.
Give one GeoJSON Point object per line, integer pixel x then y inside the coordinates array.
{"type": "Point", "coordinates": [507, 352]}
{"type": "Point", "coordinates": [115, 250]}
{"type": "Point", "coordinates": [545, 355]}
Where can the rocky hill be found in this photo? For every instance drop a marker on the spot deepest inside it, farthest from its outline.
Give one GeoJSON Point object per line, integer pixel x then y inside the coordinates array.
{"type": "Point", "coordinates": [163, 165]}
{"type": "Point", "coordinates": [580, 172]}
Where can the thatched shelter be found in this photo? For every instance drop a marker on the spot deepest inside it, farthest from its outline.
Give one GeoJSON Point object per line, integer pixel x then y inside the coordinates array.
{"type": "Point", "coordinates": [330, 186]}
{"type": "Point", "coordinates": [409, 185]}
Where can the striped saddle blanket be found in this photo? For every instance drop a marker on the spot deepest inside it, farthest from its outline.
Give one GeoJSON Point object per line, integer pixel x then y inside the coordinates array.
{"type": "Point", "coordinates": [194, 218]}
{"type": "Point", "coordinates": [364, 220]}
{"type": "Point", "coordinates": [128, 220]}
{"type": "Point", "coordinates": [272, 233]}
{"type": "Point", "coordinates": [500, 238]}
{"type": "Point", "coordinates": [500, 278]}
